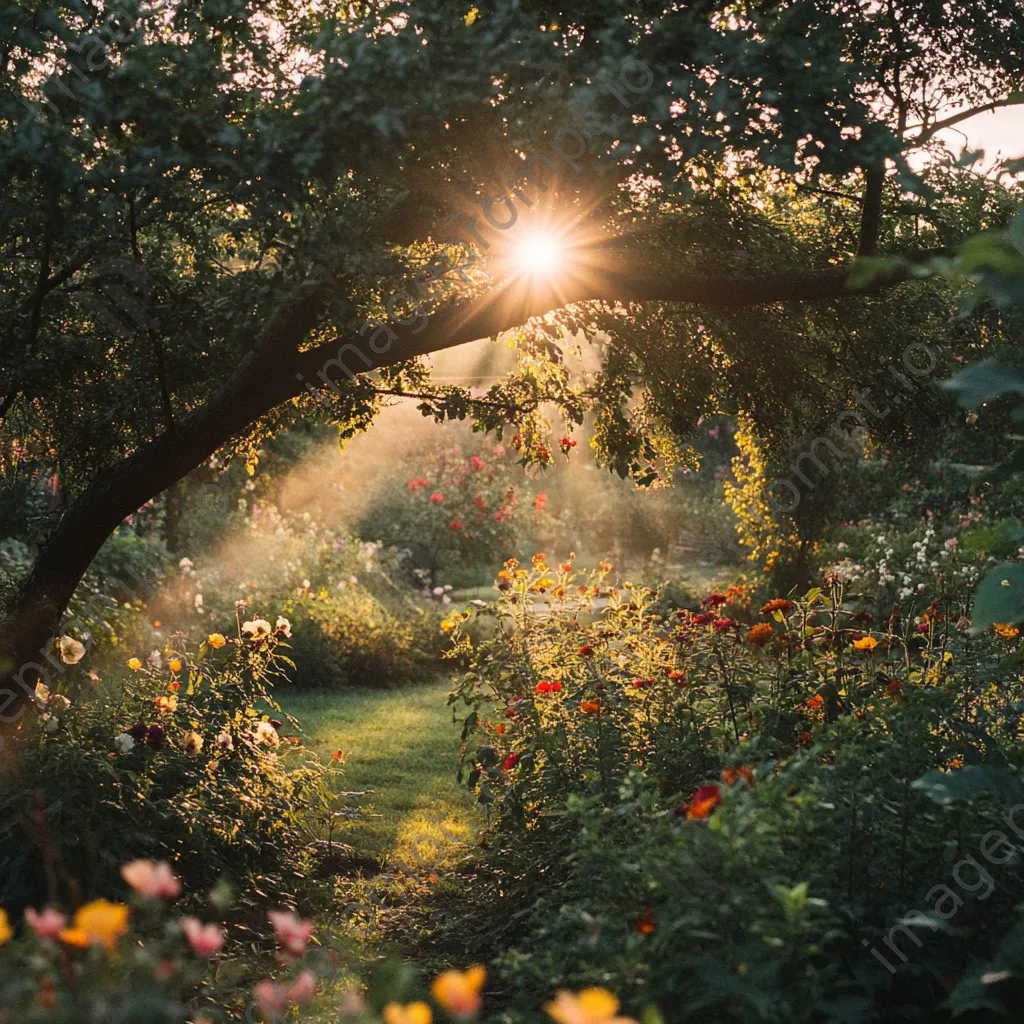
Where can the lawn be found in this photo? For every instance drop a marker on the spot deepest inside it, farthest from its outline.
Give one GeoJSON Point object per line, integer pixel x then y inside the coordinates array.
{"type": "Point", "coordinates": [400, 748]}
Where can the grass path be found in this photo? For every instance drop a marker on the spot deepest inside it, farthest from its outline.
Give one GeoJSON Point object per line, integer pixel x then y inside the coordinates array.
{"type": "Point", "coordinates": [400, 748]}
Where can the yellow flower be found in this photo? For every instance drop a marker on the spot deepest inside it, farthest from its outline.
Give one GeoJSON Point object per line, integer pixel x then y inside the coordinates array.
{"type": "Point", "coordinates": [411, 1013]}
{"type": "Point", "coordinates": [865, 643]}
{"type": "Point", "coordinates": [216, 640]}
{"type": "Point", "coordinates": [134, 664]}
{"type": "Point", "coordinates": [1005, 630]}
{"type": "Point", "coordinates": [100, 923]}
{"type": "Point", "coordinates": [6, 931]}
{"type": "Point", "coordinates": [459, 991]}
{"type": "Point", "coordinates": [472, 15]}
{"type": "Point", "coordinates": [174, 665]}
{"type": "Point", "coordinates": [591, 1006]}
{"type": "Point", "coordinates": [166, 704]}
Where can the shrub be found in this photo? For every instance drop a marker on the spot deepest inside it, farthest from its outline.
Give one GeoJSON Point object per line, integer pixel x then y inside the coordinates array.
{"type": "Point", "coordinates": [176, 757]}
{"type": "Point", "coordinates": [728, 811]}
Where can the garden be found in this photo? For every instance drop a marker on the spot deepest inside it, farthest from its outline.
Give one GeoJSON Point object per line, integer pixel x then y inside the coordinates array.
{"type": "Point", "coordinates": [511, 514]}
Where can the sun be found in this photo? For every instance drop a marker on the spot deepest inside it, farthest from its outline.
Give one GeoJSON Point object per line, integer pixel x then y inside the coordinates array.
{"type": "Point", "coordinates": [539, 254]}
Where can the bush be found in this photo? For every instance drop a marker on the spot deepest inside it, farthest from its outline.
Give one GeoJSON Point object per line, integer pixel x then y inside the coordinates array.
{"type": "Point", "coordinates": [176, 757]}
{"type": "Point", "coordinates": [733, 813]}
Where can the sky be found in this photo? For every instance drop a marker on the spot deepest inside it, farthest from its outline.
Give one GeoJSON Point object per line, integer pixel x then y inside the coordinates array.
{"type": "Point", "coordinates": [999, 133]}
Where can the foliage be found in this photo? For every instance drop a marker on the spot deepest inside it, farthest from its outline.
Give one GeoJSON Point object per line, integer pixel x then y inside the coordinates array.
{"type": "Point", "coordinates": [458, 517]}
{"type": "Point", "coordinates": [172, 755]}
{"type": "Point", "coordinates": [711, 809]}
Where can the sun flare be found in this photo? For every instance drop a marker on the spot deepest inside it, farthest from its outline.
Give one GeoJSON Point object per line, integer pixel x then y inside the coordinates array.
{"type": "Point", "coordinates": [539, 255]}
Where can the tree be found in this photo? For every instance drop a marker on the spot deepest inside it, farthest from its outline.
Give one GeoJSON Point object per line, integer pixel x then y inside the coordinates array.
{"type": "Point", "coordinates": [212, 211]}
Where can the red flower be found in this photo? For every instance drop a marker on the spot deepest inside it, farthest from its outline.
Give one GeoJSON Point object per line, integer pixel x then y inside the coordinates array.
{"type": "Point", "coordinates": [721, 625]}
{"type": "Point", "coordinates": [455, 524]}
{"type": "Point", "coordinates": [816, 701]}
{"type": "Point", "coordinates": [510, 762]}
{"type": "Point", "coordinates": [642, 684]}
{"type": "Point", "coordinates": [703, 618]}
{"type": "Point", "coordinates": [174, 687]}
{"type": "Point", "coordinates": [585, 651]}
{"type": "Point", "coordinates": [479, 499]}
{"type": "Point", "coordinates": [415, 485]}
{"type": "Point", "coordinates": [437, 498]}
{"type": "Point", "coordinates": [714, 600]}
{"type": "Point", "coordinates": [732, 775]}
{"type": "Point", "coordinates": [547, 686]}
{"type": "Point", "coordinates": [804, 738]}
{"type": "Point", "coordinates": [701, 804]}
{"type": "Point", "coordinates": [475, 462]}
{"type": "Point", "coordinates": [894, 689]}
{"type": "Point", "coordinates": [336, 755]}
{"type": "Point", "coordinates": [921, 627]}
{"type": "Point", "coordinates": [567, 444]}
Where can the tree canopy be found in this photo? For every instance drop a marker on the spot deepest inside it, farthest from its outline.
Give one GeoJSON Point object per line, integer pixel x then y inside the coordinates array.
{"type": "Point", "coordinates": [219, 215]}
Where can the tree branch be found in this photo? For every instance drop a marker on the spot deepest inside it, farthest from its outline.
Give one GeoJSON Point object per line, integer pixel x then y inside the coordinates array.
{"type": "Point", "coordinates": [1013, 100]}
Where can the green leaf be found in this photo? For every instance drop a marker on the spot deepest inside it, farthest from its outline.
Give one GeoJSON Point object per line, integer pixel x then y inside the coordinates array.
{"type": "Point", "coordinates": [984, 382]}
{"type": "Point", "coordinates": [945, 787]}
{"type": "Point", "coordinates": [1000, 597]}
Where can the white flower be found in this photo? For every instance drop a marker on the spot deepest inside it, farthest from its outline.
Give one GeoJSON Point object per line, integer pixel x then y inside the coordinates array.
{"type": "Point", "coordinates": [224, 741]}
{"type": "Point", "coordinates": [256, 629]}
{"type": "Point", "coordinates": [156, 659]}
{"type": "Point", "coordinates": [842, 546]}
{"type": "Point", "coordinates": [71, 651]}
{"type": "Point", "coordinates": [266, 733]}
{"type": "Point", "coordinates": [124, 742]}
{"type": "Point", "coordinates": [51, 723]}
{"type": "Point", "coordinates": [446, 599]}
{"type": "Point", "coordinates": [447, 586]}
{"type": "Point", "coordinates": [193, 742]}
{"type": "Point", "coordinates": [305, 584]}
{"type": "Point", "coordinates": [284, 627]}
{"type": "Point", "coordinates": [199, 602]}
{"type": "Point", "coordinates": [186, 564]}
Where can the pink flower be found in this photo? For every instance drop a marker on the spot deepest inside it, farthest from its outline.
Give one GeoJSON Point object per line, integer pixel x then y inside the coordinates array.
{"type": "Point", "coordinates": [292, 933]}
{"type": "Point", "coordinates": [274, 1000]}
{"type": "Point", "coordinates": [205, 939]}
{"type": "Point", "coordinates": [921, 627]}
{"type": "Point", "coordinates": [152, 879]}
{"type": "Point", "coordinates": [47, 925]}
{"type": "Point", "coordinates": [437, 498]}
{"type": "Point", "coordinates": [475, 462]}
{"type": "Point", "coordinates": [950, 543]}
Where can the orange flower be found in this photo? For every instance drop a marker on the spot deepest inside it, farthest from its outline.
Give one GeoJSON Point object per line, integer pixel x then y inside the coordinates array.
{"type": "Point", "coordinates": [591, 1006]}
{"type": "Point", "coordinates": [1005, 630]}
{"type": "Point", "coordinates": [732, 775]}
{"type": "Point", "coordinates": [500, 728]}
{"type": "Point", "coordinates": [174, 665]}
{"type": "Point", "coordinates": [702, 803]}
{"type": "Point", "coordinates": [645, 923]}
{"type": "Point", "coordinates": [174, 687]}
{"type": "Point", "coordinates": [760, 634]}
{"type": "Point", "coordinates": [816, 701]}
{"type": "Point", "coordinates": [459, 991]}
{"type": "Point", "coordinates": [165, 705]}
{"type": "Point", "coordinates": [777, 604]}
{"type": "Point", "coordinates": [100, 923]}
{"type": "Point", "coordinates": [590, 707]}
{"type": "Point", "coordinates": [865, 643]}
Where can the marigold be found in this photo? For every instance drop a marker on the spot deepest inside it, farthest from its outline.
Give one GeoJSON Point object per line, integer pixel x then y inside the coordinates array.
{"type": "Point", "coordinates": [865, 643]}
{"type": "Point", "coordinates": [174, 665]}
{"type": "Point", "coordinates": [760, 634]}
{"type": "Point", "coordinates": [777, 604]}
{"type": "Point", "coordinates": [1005, 630]}
{"type": "Point", "coordinates": [100, 923]}
{"type": "Point", "coordinates": [459, 991]}
{"type": "Point", "coordinates": [816, 701]}
{"type": "Point", "coordinates": [134, 664]}
{"type": "Point", "coordinates": [216, 640]}
{"type": "Point", "coordinates": [591, 1006]}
